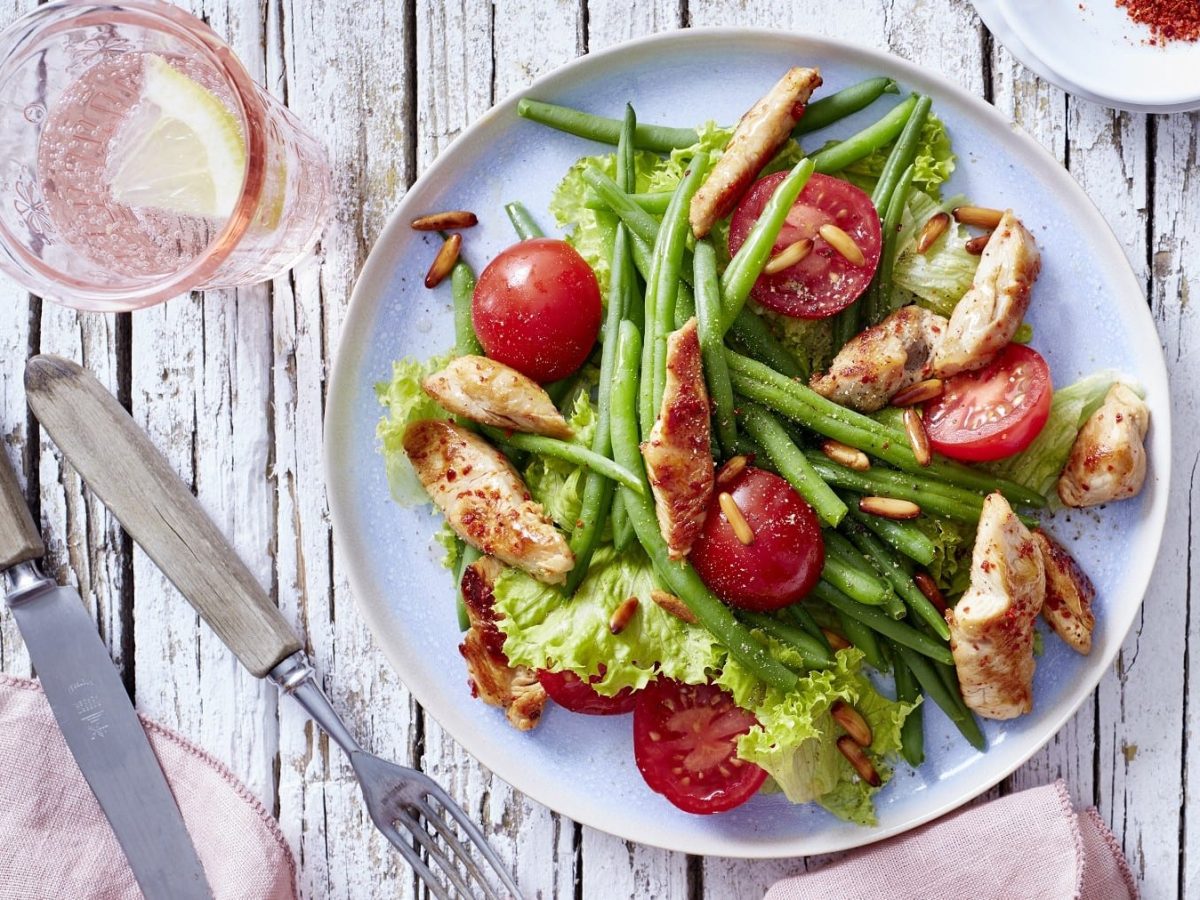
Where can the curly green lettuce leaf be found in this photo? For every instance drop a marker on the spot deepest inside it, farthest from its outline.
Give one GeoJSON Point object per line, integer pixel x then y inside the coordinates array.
{"type": "Point", "coordinates": [933, 165]}
{"type": "Point", "coordinates": [546, 630]}
{"type": "Point", "coordinates": [953, 543]}
{"type": "Point", "coordinates": [809, 340]}
{"type": "Point", "coordinates": [937, 278]}
{"type": "Point", "coordinates": [404, 403]}
{"type": "Point", "coordinates": [451, 543]}
{"type": "Point", "coordinates": [555, 483]}
{"type": "Point", "coordinates": [670, 171]}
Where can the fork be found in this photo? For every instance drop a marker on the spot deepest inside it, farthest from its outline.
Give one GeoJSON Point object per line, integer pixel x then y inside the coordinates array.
{"type": "Point", "coordinates": [129, 475]}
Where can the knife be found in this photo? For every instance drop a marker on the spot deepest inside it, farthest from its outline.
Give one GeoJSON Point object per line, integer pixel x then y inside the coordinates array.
{"type": "Point", "coordinates": [94, 712]}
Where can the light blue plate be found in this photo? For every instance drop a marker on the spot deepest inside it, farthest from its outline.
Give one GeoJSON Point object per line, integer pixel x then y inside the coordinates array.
{"type": "Point", "coordinates": [1088, 312]}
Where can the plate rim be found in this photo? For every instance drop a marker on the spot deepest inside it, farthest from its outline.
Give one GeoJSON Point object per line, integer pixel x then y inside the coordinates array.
{"type": "Point", "coordinates": [357, 558]}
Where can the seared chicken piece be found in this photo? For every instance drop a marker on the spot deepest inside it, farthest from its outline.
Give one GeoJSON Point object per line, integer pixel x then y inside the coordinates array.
{"type": "Point", "coordinates": [991, 627]}
{"type": "Point", "coordinates": [1108, 458]}
{"type": "Point", "coordinates": [678, 459]}
{"type": "Point", "coordinates": [886, 358]}
{"type": "Point", "coordinates": [758, 135]}
{"type": "Point", "coordinates": [1069, 594]}
{"type": "Point", "coordinates": [484, 499]}
{"type": "Point", "coordinates": [515, 689]}
{"type": "Point", "coordinates": [490, 392]}
{"type": "Point", "coordinates": [988, 315]}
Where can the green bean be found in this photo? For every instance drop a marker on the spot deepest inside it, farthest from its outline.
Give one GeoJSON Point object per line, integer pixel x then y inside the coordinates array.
{"type": "Point", "coordinates": [627, 151]}
{"type": "Point", "coordinates": [862, 587]}
{"type": "Point", "coordinates": [712, 344]}
{"type": "Point", "coordinates": [604, 130]}
{"type": "Point", "coordinates": [864, 639]}
{"type": "Point", "coordinates": [572, 453]}
{"type": "Point", "coordinates": [750, 334]}
{"type": "Point", "coordinates": [898, 571]}
{"type": "Point", "coordinates": [899, 632]}
{"type": "Point", "coordinates": [679, 577]}
{"type": "Point", "coordinates": [912, 733]}
{"type": "Point", "coordinates": [747, 264]}
{"type": "Point", "coordinates": [792, 463]}
{"type": "Point", "coordinates": [843, 551]}
{"type": "Point", "coordinates": [462, 289]}
{"type": "Point", "coordinates": [903, 154]}
{"type": "Point", "coordinates": [466, 555]}
{"type": "Point", "coordinates": [879, 482]}
{"type": "Point", "coordinates": [880, 293]}
{"type": "Point", "coordinates": [904, 537]}
{"type": "Point", "coordinates": [653, 202]}
{"type": "Point", "coordinates": [950, 702]}
{"type": "Point", "coordinates": [845, 102]}
{"type": "Point", "coordinates": [523, 223]}
{"type": "Point", "coordinates": [867, 141]}
{"type": "Point", "coordinates": [810, 650]}
{"type": "Point", "coordinates": [622, 528]}
{"type": "Point", "coordinates": [685, 307]}
{"type": "Point", "coordinates": [799, 614]}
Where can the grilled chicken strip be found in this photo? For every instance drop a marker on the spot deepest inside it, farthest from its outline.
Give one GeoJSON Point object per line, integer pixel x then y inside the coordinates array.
{"type": "Point", "coordinates": [1108, 458]}
{"type": "Point", "coordinates": [484, 499]}
{"type": "Point", "coordinates": [988, 315]}
{"type": "Point", "coordinates": [1069, 594]}
{"type": "Point", "coordinates": [758, 135]}
{"type": "Point", "coordinates": [886, 358]}
{"type": "Point", "coordinates": [515, 689]}
{"type": "Point", "coordinates": [490, 392]}
{"type": "Point", "coordinates": [991, 627]}
{"type": "Point", "coordinates": [678, 459]}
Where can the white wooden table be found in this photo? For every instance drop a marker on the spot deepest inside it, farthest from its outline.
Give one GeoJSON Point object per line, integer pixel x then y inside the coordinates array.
{"type": "Point", "coordinates": [231, 386]}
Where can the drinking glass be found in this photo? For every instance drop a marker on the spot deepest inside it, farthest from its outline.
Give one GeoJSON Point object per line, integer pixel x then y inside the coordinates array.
{"type": "Point", "coordinates": [83, 225]}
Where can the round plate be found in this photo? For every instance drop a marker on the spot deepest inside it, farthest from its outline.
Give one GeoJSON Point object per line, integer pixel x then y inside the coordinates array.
{"type": "Point", "coordinates": [583, 766]}
{"type": "Point", "coordinates": [1095, 51]}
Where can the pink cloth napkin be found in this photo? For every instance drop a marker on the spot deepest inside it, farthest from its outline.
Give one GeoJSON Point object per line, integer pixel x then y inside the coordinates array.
{"type": "Point", "coordinates": [55, 841]}
{"type": "Point", "coordinates": [1032, 845]}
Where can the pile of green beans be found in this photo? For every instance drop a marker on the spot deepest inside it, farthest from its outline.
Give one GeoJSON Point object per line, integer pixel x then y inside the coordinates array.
{"type": "Point", "coordinates": [882, 623]}
{"type": "Point", "coordinates": [899, 573]}
{"type": "Point", "coordinates": [792, 464]}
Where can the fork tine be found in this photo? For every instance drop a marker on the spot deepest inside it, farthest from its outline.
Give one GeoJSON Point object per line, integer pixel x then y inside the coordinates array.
{"type": "Point", "coordinates": [426, 840]}
{"type": "Point", "coordinates": [414, 859]}
{"type": "Point", "coordinates": [475, 836]}
{"type": "Point", "coordinates": [455, 844]}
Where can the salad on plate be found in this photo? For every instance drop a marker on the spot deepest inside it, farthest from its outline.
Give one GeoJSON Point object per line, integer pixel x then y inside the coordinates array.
{"type": "Point", "coordinates": [756, 456]}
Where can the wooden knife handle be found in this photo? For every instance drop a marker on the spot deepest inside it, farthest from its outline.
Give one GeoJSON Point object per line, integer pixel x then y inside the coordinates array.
{"type": "Point", "coordinates": [133, 479]}
{"type": "Point", "coordinates": [20, 539]}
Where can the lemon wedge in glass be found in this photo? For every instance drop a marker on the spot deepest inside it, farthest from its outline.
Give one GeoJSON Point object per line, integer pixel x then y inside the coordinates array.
{"type": "Point", "coordinates": [182, 152]}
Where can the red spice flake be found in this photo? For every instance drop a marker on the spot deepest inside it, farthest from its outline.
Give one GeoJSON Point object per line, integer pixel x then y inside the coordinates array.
{"type": "Point", "coordinates": [1168, 20]}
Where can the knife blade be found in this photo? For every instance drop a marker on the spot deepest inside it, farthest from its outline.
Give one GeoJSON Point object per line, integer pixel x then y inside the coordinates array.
{"type": "Point", "coordinates": [94, 712]}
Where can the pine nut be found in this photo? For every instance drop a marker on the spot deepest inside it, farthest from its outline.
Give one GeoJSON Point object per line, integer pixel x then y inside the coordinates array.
{"type": "Point", "coordinates": [788, 256]}
{"type": "Point", "coordinates": [927, 586]}
{"type": "Point", "coordinates": [934, 228]}
{"type": "Point", "coordinates": [446, 257]}
{"type": "Point", "coordinates": [622, 615]}
{"type": "Point", "coordinates": [918, 437]}
{"type": "Point", "coordinates": [857, 758]}
{"type": "Point", "coordinates": [850, 457]}
{"type": "Point", "coordinates": [889, 507]}
{"type": "Point", "coordinates": [836, 641]}
{"type": "Point", "coordinates": [445, 221]}
{"type": "Point", "coordinates": [920, 392]}
{"type": "Point", "coordinates": [852, 722]}
{"type": "Point", "coordinates": [734, 467]}
{"type": "Point", "coordinates": [842, 243]}
{"type": "Point", "coordinates": [672, 604]}
{"type": "Point", "coordinates": [978, 216]}
{"type": "Point", "coordinates": [737, 521]}
{"type": "Point", "coordinates": [976, 245]}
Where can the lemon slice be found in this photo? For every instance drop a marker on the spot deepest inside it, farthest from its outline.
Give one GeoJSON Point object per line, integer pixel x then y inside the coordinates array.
{"type": "Point", "coordinates": [183, 151]}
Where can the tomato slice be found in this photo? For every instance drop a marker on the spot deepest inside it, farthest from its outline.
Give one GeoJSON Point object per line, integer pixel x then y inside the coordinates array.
{"type": "Point", "coordinates": [992, 412]}
{"type": "Point", "coordinates": [571, 692]}
{"type": "Point", "coordinates": [782, 563]}
{"type": "Point", "coordinates": [685, 744]}
{"type": "Point", "coordinates": [824, 282]}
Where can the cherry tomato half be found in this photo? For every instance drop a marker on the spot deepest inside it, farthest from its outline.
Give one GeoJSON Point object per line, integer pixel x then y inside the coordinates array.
{"type": "Point", "coordinates": [571, 692]}
{"type": "Point", "coordinates": [824, 282]}
{"type": "Point", "coordinates": [784, 560]}
{"type": "Point", "coordinates": [537, 308]}
{"type": "Point", "coordinates": [685, 745]}
{"type": "Point", "coordinates": [992, 412]}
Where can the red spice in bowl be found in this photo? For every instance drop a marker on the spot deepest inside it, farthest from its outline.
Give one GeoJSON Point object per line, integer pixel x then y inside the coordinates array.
{"type": "Point", "coordinates": [1169, 20]}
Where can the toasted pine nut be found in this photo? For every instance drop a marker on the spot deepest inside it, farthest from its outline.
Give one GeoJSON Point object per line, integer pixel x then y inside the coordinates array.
{"type": "Point", "coordinates": [672, 604]}
{"type": "Point", "coordinates": [919, 392]}
{"type": "Point", "coordinates": [857, 758]}
{"type": "Point", "coordinates": [976, 245]}
{"type": "Point", "coordinates": [852, 722]}
{"type": "Point", "coordinates": [918, 437]}
{"type": "Point", "coordinates": [788, 256]}
{"type": "Point", "coordinates": [842, 243]}
{"type": "Point", "coordinates": [931, 591]}
{"type": "Point", "coordinates": [622, 615]}
{"type": "Point", "coordinates": [445, 221]}
{"type": "Point", "coordinates": [935, 227]}
{"type": "Point", "coordinates": [836, 641]}
{"type": "Point", "coordinates": [733, 467]}
{"type": "Point", "coordinates": [979, 216]}
{"type": "Point", "coordinates": [850, 457]}
{"type": "Point", "coordinates": [737, 521]}
{"type": "Point", "coordinates": [446, 257]}
{"type": "Point", "coordinates": [889, 507]}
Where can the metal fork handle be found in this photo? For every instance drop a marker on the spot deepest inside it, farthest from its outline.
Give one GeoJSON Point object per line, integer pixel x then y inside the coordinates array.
{"type": "Point", "coordinates": [297, 678]}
